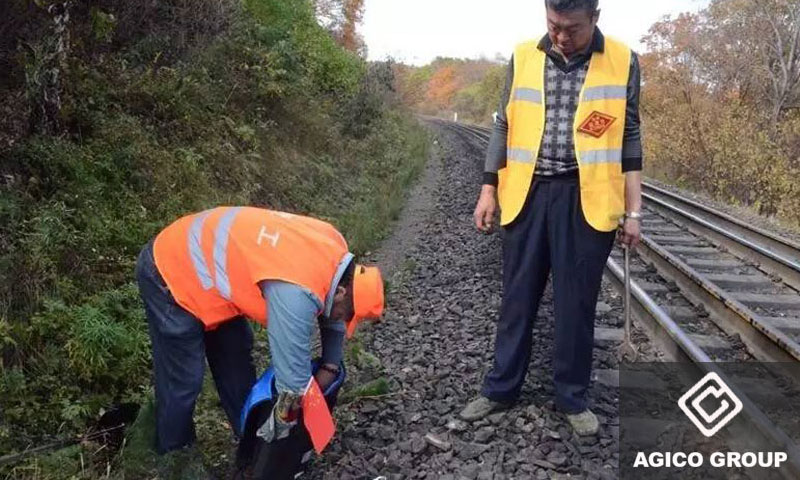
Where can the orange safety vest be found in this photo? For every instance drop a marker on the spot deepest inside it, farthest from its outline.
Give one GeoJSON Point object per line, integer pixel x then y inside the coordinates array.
{"type": "Point", "coordinates": [212, 261]}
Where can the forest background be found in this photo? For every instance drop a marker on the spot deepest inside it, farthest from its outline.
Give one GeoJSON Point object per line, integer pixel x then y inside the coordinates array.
{"type": "Point", "coordinates": [720, 101]}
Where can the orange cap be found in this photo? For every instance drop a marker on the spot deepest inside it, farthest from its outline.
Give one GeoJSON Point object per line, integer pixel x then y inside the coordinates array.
{"type": "Point", "coordinates": [367, 296]}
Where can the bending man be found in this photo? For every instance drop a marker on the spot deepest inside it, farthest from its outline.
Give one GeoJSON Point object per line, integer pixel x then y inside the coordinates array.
{"type": "Point", "coordinates": [203, 276]}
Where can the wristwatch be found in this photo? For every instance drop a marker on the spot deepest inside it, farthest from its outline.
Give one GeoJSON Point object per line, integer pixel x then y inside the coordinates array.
{"type": "Point", "coordinates": [633, 215]}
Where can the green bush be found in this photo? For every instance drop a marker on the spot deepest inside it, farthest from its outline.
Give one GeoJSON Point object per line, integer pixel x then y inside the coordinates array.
{"type": "Point", "coordinates": [78, 360]}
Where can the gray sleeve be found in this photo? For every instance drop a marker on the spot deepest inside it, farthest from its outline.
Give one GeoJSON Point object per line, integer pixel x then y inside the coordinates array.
{"type": "Point", "coordinates": [632, 140]}
{"type": "Point", "coordinates": [291, 318]}
{"type": "Point", "coordinates": [496, 153]}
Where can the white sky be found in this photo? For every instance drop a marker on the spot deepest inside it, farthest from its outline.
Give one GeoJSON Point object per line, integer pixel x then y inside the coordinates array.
{"type": "Point", "coordinates": [417, 31]}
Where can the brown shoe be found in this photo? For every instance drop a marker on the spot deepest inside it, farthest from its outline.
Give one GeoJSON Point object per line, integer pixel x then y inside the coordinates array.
{"type": "Point", "coordinates": [480, 408]}
{"type": "Point", "coordinates": [584, 423]}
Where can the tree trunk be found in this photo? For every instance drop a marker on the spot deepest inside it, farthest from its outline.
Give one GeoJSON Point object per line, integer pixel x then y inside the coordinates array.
{"type": "Point", "coordinates": [45, 76]}
{"type": "Point", "coordinates": [783, 61]}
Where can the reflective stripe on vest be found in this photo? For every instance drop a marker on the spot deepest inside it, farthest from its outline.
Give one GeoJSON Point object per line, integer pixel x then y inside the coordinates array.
{"type": "Point", "coordinates": [221, 235]}
{"type": "Point", "coordinates": [521, 155]}
{"type": "Point", "coordinates": [527, 95]}
{"type": "Point", "coordinates": [196, 251]}
{"type": "Point", "coordinates": [602, 184]}
{"type": "Point", "coordinates": [613, 155]}
{"type": "Point", "coordinates": [605, 92]}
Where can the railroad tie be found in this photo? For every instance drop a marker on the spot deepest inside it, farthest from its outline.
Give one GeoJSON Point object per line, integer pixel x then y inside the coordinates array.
{"type": "Point", "coordinates": [764, 300]}
{"type": "Point", "coordinates": [716, 265]}
{"type": "Point", "coordinates": [735, 281]}
{"type": "Point", "coordinates": [788, 324]}
{"type": "Point", "coordinates": [603, 335]}
{"type": "Point", "coordinates": [651, 287]}
{"type": "Point", "coordinates": [681, 312]}
{"type": "Point", "coordinates": [686, 250]}
{"type": "Point", "coordinates": [665, 229]}
{"type": "Point", "coordinates": [709, 342]}
{"type": "Point", "coordinates": [667, 240]}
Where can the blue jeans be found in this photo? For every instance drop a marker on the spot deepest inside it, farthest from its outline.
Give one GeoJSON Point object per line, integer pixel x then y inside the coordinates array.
{"type": "Point", "coordinates": [181, 347]}
{"type": "Point", "coordinates": [549, 234]}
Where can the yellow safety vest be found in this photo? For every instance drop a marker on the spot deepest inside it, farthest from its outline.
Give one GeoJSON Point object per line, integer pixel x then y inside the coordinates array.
{"type": "Point", "coordinates": [603, 99]}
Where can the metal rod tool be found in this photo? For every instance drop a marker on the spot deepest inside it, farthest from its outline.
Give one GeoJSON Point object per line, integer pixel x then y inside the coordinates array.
{"type": "Point", "coordinates": [628, 350]}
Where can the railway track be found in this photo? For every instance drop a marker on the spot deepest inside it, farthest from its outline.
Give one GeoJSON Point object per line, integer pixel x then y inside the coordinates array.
{"type": "Point", "coordinates": [708, 289]}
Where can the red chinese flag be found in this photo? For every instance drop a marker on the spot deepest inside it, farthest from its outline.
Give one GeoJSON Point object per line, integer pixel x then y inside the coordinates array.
{"type": "Point", "coordinates": [317, 418]}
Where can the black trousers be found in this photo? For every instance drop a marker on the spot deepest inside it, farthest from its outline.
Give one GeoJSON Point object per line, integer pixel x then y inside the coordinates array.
{"type": "Point", "coordinates": [550, 234]}
{"type": "Point", "coordinates": [181, 347]}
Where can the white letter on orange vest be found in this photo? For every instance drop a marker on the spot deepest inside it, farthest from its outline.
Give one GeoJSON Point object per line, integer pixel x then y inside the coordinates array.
{"type": "Point", "coordinates": [272, 238]}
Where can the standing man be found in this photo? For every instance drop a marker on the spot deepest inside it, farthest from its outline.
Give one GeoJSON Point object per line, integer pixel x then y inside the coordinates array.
{"type": "Point", "coordinates": [201, 279]}
{"type": "Point", "coordinates": [564, 163]}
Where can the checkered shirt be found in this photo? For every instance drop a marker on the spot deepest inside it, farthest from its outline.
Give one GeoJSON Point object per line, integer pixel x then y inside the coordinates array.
{"type": "Point", "coordinates": [562, 95]}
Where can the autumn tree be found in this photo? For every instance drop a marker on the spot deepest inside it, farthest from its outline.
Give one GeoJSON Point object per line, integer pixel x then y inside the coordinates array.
{"type": "Point", "coordinates": [353, 14]}
{"type": "Point", "coordinates": [447, 85]}
{"type": "Point", "coordinates": [754, 46]}
{"type": "Point", "coordinates": [721, 96]}
{"type": "Point", "coordinates": [412, 83]}
{"type": "Point", "coordinates": [342, 18]}
{"type": "Point", "coordinates": [781, 52]}
{"type": "Point", "coordinates": [479, 100]}
{"type": "Point", "coordinates": [442, 87]}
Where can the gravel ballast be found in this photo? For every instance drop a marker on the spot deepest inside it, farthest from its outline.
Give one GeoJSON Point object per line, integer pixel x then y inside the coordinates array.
{"type": "Point", "coordinates": [435, 345]}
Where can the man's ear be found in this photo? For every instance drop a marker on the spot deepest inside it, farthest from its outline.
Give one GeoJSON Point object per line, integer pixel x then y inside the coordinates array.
{"type": "Point", "coordinates": [341, 292]}
{"type": "Point", "coordinates": [596, 16]}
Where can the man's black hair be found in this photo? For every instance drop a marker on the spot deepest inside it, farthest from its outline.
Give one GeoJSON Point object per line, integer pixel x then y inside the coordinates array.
{"type": "Point", "coordinates": [572, 5]}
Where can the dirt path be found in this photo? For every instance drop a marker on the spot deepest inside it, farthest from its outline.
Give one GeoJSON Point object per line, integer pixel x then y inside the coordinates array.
{"type": "Point", "coordinates": [436, 345]}
{"type": "Point", "coordinates": [418, 209]}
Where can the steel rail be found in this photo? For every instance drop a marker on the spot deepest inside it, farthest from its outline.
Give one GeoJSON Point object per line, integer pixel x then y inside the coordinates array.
{"type": "Point", "coordinates": [778, 264]}
{"type": "Point", "coordinates": [677, 344]}
{"type": "Point", "coordinates": [765, 342]}
{"type": "Point", "coordinates": [770, 240]}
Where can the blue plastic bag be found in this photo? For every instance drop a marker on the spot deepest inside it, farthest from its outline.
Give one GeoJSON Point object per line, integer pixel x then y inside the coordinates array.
{"type": "Point", "coordinates": [279, 459]}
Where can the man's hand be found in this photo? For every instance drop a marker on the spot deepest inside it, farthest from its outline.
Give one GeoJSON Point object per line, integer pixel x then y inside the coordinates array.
{"type": "Point", "coordinates": [325, 378]}
{"type": "Point", "coordinates": [286, 407]}
{"type": "Point", "coordinates": [631, 232]}
{"type": "Point", "coordinates": [282, 418]}
{"type": "Point", "coordinates": [486, 209]}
